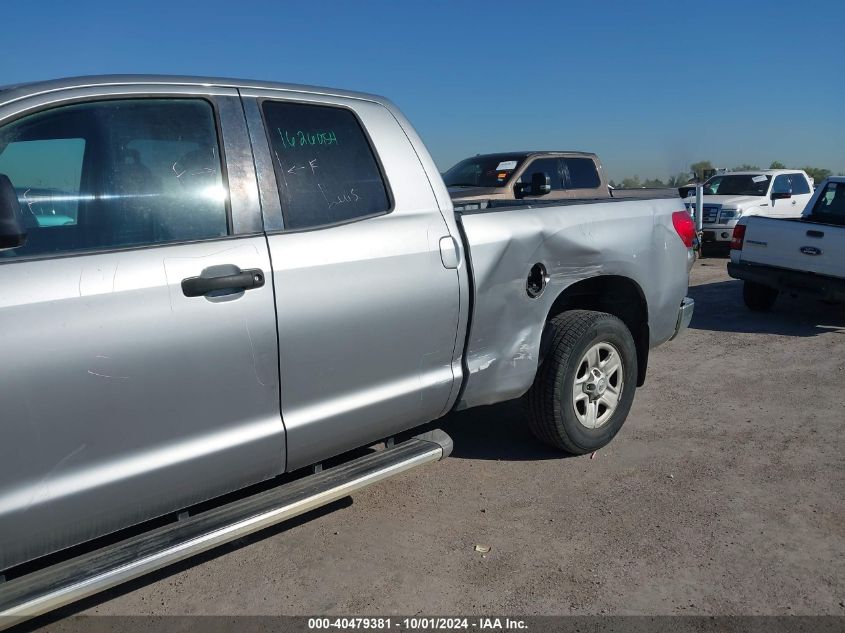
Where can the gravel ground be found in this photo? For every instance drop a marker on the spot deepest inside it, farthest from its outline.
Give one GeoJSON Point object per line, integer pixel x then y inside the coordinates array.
{"type": "Point", "coordinates": [724, 493]}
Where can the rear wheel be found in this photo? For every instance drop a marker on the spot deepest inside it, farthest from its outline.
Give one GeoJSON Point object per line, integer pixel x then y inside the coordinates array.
{"type": "Point", "coordinates": [584, 389]}
{"type": "Point", "coordinates": [758, 297]}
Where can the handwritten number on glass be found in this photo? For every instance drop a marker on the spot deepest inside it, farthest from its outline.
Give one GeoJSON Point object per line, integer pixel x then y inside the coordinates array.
{"type": "Point", "coordinates": [306, 139]}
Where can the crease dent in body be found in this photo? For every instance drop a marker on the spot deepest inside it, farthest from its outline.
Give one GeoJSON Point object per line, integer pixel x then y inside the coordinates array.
{"type": "Point", "coordinates": [252, 350]}
{"type": "Point", "coordinates": [94, 373]}
{"type": "Point", "coordinates": [44, 483]}
{"type": "Point", "coordinates": [523, 353]}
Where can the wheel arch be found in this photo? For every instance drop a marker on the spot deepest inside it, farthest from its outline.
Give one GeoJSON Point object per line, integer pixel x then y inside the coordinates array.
{"type": "Point", "coordinates": [617, 295]}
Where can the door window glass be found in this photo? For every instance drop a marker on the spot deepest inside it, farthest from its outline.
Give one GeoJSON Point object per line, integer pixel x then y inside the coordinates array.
{"type": "Point", "coordinates": [830, 206]}
{"type": "Point", "coordinates": [325, 168]}
{"type": "Point", "coordinates": [115, 174]}
{"type": "Point", "coordinates": [579, 173]}
{"type": "Point", "coordinates": [547, 165]}
{"type": "Point", "coordinates": [799, 184]}
{"type": "Point", "coordinates": [782, 184]}
{"type": "Point", "coordinates": [49, 172]}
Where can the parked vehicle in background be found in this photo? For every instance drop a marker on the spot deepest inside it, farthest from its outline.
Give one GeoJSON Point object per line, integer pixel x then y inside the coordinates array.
{"type": "Point", "coordinates": [257, 278]}
{"type": "Point", "coordinates": [515, 175]}
{"type": "Point", "coordinates": [728, 196]}
{"type": "Point", "coordinates": [802, 256]}
{"type": "Point", "coordinates": [536, 175]}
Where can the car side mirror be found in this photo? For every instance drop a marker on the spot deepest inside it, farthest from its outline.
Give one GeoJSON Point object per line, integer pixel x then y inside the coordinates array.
{"type": "Point", "coordinates": [12, 232]}
{"type": "Point", "coordinates": [541, 183]}
{"type": "Point", "coordinates": [781, 195]}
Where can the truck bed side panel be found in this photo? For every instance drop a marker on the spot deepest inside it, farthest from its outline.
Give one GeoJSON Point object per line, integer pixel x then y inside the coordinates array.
{"type": "Point", "coordinates": [633, 239]}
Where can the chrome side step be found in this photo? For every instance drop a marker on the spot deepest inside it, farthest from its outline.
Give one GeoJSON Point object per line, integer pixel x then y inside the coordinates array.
{"type": "Point", "coordinates": [63, 583]}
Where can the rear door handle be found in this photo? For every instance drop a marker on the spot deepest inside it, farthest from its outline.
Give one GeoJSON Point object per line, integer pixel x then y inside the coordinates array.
{"type": "Point", "coordinates": [243, 280]}
{"type": "Point", "coordinates": [812, 233]}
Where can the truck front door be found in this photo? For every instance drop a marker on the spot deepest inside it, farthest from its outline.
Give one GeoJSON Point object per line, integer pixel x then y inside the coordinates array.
{"type": "Point", "coordinates": [130, 387]}
{"type": "Point", "coordinates": [799, 195]}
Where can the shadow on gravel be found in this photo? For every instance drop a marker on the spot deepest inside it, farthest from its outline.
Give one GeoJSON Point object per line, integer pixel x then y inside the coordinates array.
{"type": "Point", "coordinates": [496, 432]}
{"type": "Point", "coordinates": [719, 308]}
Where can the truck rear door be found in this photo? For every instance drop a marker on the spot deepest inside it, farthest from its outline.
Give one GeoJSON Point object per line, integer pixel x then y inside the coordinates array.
{"type": "Point", "coordinates": [367, 293]}
{"type": "Point", "coordinates": [130, 386]}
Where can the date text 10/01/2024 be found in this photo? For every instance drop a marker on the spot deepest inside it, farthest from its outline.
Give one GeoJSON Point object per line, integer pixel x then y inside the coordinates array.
{"type": "Point", "coordinates": [418, 623]}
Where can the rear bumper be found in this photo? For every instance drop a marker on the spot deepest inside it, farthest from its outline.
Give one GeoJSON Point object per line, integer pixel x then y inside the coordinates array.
{"type": "Point", "coordinates": [786, 280]}
{"type": "Point", "coordinates": [684, 315]}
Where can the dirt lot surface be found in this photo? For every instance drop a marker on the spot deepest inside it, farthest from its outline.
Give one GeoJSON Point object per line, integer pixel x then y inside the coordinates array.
{"type": "Point", "coordinates": [724, 493]}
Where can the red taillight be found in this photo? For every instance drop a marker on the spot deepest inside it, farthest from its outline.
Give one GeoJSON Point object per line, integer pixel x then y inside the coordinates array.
{"type": "Point", "coordinates": [738, 238]}
{"type": "Point", "coordinates": [685, 227]}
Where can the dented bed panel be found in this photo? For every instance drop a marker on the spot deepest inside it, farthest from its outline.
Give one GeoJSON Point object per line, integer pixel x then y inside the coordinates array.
{"type": "Point", "coordinates": [633, 239]}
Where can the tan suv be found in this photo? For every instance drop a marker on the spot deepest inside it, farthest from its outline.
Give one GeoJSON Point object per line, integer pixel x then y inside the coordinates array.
{"type": "Point", "coordinates": [527, 175]}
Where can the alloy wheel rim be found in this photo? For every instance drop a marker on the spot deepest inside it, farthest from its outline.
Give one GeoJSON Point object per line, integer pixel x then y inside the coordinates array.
{"type": "Point", "coordinates": [598, 385]}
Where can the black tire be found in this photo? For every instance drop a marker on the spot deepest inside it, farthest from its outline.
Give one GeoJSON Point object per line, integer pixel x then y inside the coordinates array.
{"type": "Point", "coordinates": [551, 415]}
{"type": "Point", "coordinates": [758, 297]}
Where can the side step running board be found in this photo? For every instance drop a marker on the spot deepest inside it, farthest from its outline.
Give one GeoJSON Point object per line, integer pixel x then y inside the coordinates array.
{"type": "Point", "coordinates": [71, 580]}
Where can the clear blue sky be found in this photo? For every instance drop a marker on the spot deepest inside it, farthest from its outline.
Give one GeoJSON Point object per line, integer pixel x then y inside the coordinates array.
{"type": "Point", "coordinates": [650, 86]}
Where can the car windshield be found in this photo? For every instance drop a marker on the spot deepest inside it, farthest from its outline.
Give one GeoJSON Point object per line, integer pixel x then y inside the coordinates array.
{"type": "Point", "coordinates": [492, 170]}
{"type": "Point", "coordinates": [737, 185]}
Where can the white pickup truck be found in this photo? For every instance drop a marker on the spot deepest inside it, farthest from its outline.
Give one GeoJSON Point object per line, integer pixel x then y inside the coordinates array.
{"type": "Point", "coordinates": [804, 255]}
{"type": "Point", "coordinates": [774, 193]}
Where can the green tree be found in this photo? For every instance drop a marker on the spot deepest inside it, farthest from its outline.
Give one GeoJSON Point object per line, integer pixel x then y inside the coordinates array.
{"type": "Point", "coordinates": [631, 183]}
{"type": "Point", "coordinates": [700, 168]}
{"type": "Point", "coordinates": [678, 180]}
{"type": "Point", "coordinates": [817, 173]}
{"type": "Point", "coordinates": [654, 183]}
{"type": "Point", "coordinates": [776, 164]}
{"type": "Point", "coordinates": [747, 167]}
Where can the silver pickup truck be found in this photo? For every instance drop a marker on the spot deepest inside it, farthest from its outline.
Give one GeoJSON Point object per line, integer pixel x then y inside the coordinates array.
{"type": "Point", "coordinates": [208, 283]}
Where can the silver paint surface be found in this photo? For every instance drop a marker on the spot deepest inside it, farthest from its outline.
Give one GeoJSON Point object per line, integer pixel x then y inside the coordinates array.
{"type": "Point", "coordinates": [367, 312]}
{"type": "Point", "coordinates": [633, 239]}
{"type": "Point", "coordinates": [124, 400]}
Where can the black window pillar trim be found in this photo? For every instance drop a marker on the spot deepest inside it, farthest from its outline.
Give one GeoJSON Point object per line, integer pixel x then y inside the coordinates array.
{"type": "Point", "coordinates": [240, 167]}
{"type": "Point", "coordinates": [268, 189]}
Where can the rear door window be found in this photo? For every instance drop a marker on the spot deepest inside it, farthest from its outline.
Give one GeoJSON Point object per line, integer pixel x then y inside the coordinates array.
{"type": "Point", "coordinates": [326, 170]}
{"type": "Point", "coordinates": [579, 173]}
